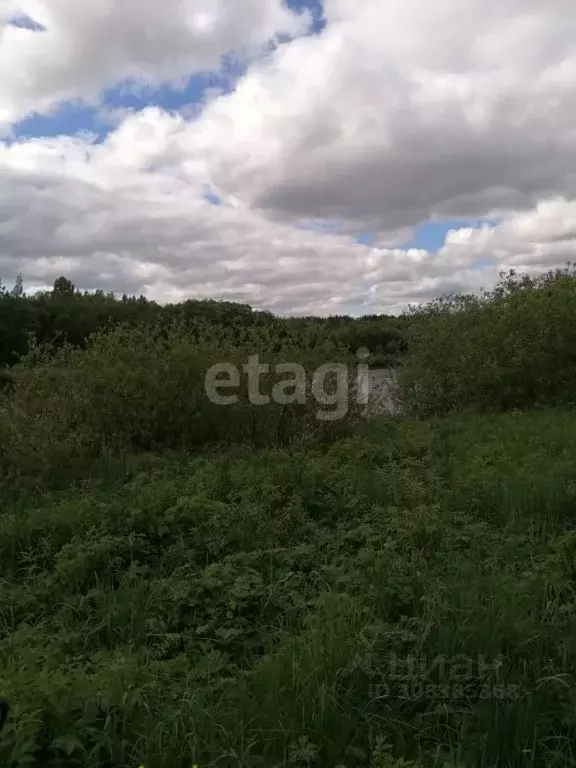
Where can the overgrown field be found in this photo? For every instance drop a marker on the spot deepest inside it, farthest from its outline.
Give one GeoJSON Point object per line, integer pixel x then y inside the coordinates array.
{"type": "Point", "coordinates": [245, 608]}
{"type": "Point", "coordinates": [185, 584]}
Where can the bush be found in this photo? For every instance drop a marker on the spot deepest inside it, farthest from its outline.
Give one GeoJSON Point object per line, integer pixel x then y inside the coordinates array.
{"type": "Point", "coordinates": [7, 383]}
{"type": "Point", "coordinates": [513, 347]}
{"type": "Point", "coordinates": [141, 389]}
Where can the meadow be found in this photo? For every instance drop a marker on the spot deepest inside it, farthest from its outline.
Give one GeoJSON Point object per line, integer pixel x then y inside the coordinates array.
{"type": "Point", "coordinates": [184, 584]}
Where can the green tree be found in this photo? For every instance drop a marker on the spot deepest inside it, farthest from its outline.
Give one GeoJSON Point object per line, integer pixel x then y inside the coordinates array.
{"type": "Point", "coordinates": [63, 287]}
{"type": "Point", "coordinates": [18, 290]}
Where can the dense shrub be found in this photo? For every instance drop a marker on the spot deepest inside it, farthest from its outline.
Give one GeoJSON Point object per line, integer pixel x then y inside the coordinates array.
{"type": "Point", "coordinates": [512, 347]}
{"type": "Point", "coordinates": [143, 389]}
{"type": "Point", "coordinates": [6, 382]}
{"type": "Point", "coordinates": [65, 315]}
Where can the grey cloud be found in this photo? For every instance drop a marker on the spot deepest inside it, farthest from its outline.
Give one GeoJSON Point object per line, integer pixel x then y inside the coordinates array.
{"type": "Point", "coordinates": [398, 112]}
{"type": "Point", "coordinates": [455, 111]}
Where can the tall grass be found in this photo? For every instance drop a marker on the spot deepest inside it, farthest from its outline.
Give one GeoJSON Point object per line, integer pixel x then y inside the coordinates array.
{"type": "Point", "coordinates": [247, 608]}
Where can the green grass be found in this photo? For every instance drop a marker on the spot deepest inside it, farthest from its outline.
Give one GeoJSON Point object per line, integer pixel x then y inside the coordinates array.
{"type": "Point", "coordinates": [246, 608]}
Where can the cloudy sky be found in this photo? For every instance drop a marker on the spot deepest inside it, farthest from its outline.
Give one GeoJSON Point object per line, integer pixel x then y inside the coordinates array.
{"type": "Point", "coordinates": [344, 156]}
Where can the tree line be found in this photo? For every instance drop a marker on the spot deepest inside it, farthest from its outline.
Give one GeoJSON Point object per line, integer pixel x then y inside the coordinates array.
{"type": "Point", "coordinates": [68, 315]}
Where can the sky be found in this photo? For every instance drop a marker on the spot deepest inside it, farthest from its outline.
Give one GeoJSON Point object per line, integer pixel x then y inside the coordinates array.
{"type": "Point", "coordinates": [306, 157]}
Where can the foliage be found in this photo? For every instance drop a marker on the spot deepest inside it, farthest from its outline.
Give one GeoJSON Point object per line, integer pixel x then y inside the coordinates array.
{"type": "Point", "coordinates": [6, 381]}
{"type": "Point", "coordinates": [65, 315]}
{"type": "Point", "coordinates": [513, 347]}
{"type": "Point", "coordinates": [246, 609]}
{"type": "Point", "coordinates": [186, 584]}
{"type": "Point", "coordinates": [143, 389]}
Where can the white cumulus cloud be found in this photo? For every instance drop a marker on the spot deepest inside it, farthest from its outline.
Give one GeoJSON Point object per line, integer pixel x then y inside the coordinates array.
{"type": "Point", "coordinates": [90, 45]}
{"type": "Point", "coordinates": [396, 113]}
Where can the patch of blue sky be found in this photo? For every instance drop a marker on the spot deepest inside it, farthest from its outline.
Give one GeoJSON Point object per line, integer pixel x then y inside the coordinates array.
{"type": "Point", "coordinates": [365, 238]}
{"type": "Point", "coordinates": [211, 196]}
{"type": "Point", "coordinates": [23, 21]}
{"type": "Point", "coordinates": [174, 98]}
{"type": "Point", "coordinates": [136, 96]}
{"type": "Point", "coordinates": [431, 235]}
{"type": "Point", "coordinates": [315, 7]}
{"type": "Point", "coordinates": [72, 118]}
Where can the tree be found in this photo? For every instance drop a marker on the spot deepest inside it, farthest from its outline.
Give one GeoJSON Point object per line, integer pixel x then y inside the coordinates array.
{"type": "Point", "coordinates": [18, 291]}
{"type": "Point", "coordinates": [63, 287]}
